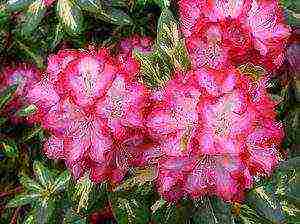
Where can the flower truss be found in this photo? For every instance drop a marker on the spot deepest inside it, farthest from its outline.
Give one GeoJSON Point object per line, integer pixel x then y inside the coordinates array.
{"type": "Point", "coordinates": [220, 32]}
{"type": "Point", "coordinates": [209, 131]}
{"type": "Point", "coordinates": [25, 76]}
{"type": "Point", "coordinates": [93, 109]}
{"type": "Point", "coordinates": [218, 132]}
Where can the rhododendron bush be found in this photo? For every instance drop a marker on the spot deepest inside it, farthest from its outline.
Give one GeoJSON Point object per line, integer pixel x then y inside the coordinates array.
{"type": "Point", "coordinates": [149, 111]}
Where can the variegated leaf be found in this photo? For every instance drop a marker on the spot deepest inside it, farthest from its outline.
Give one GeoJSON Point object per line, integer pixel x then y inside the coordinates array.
{"type": "Point", "coordinates": [33, 17]}
{"type": "Point", "coordinates": [70, 16]}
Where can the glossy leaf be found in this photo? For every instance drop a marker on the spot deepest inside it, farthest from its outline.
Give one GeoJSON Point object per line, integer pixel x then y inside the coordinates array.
{"type": "Point", "coordinates": [170, 41]}
{"type": "Point", "coordinates": [93, 6]}
{"type": "Point", "coordinates": [141, 177]}
{"type": "Point", "coordinates": [72, 218]}
{"type": "Point", "coordinates": [115, 16]}
{"type": "Point", "coordinates": [129, 210]}
{"type": "Point", "coordinates": [252, 70]}
{"type": "Point", "coordinates": [107, 14]}
{"type": "Point", "coordinates": [30, 219]}
{"type": "Point", "coordinates": [29, 133]}
{"type": "Point", "coordinates": [37, 58]}
{"type": "Point", "coordinates": [116, 3]}
{"type": "Point", "coordinates": [26, 111]}
{"type": "Point", "coordinates": [266, 204]}
{"type": "Point", "coordinates": [44, 211]}
{"type": "Point", "coordinates": [82, 192]}
{"type": "Point", "coordinates": [139, 5]}
{"type": "Point", "coordinates": [2, 120]}
{"type": "Point", "coordinates": [16, 5]}
{"type": "Point", "coordinates": [42, 173]}
{"type": "Point", "coordinates": [33, 17]}
{"type": "Point", "coordinates": [4, 16]}
{"type": "Point", "coordinates": [250, 216]}
{"type": "Point", "coordinates": [70, 16]}
{"type": "Point", "coordinates": [10, 148]}
{"type": "Point", "coordinates": [22, 199]}
{"type": "Point", "coordinates": [29, 184]}
{"type": "Point", "coordinates": [163, 3]}
{"type": "Point", "coordinates": [61, 181]}
{"type": "Point", "coordinates": [157, 205]}
{"type": "Point", "coordinates": [7, 95]}
{"type": "Point", "coordinates": [212, 210]}
{"type": "Point", "coordinates": [155, 71]}
{"type": "Point", "coordinates": [173, 213]}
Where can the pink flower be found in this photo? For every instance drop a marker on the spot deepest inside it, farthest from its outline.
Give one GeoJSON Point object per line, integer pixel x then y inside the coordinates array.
{"type": "Point", "coordinates": [270, 34]}
{"type": "Point", "coordinates": [93, 111]}
{"type": "Point", "coordinates": [25, 76]}
{"type": "Point", "coordinates": [223, 138]}
{"type": "Point", "coordinates": [48, 3]}
{"type": "Point", "coordinates": [190, 11]}
{"type": "Point", "coordinates": [234, 9]}
{"type": "Point", "coordinates": [243, 31]}
{"type": "Point", "coordinates": [173, 118]}
{"type": "Point", "coordinates": [223, 175]}
{"type": "Point", "coordinates": [206, 46]}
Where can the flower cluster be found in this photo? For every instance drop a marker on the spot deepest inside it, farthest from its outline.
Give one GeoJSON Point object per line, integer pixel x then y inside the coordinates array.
{"type": "Point", "coordinates": [93, 109]}
{"type": "Point", "coordinates": [216, 127]}
{"type": "Point", "coordinates": [24, 76]}
{"type": "Point", "coordinates": [209, 131]}
{"type": "Point", "coordinates": [217, 131]}
{"type": "Point", "coordinates": [222, 32]}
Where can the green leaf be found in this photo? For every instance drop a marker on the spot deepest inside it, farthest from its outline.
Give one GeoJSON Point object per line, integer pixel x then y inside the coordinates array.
{"type": "Point", "coordinates": [7, 95]}
{"type": "Point", "coordinates": [22, 199]}
{"type": "Point", "coordinates": [44, 211]}
{"type": "Point", "coordinates": [82, 192]}
{"type": "Point", "coordinates": [250, 216]}
{"type": "Point", "coordinates": [70, 16]}
{"type": "Point", "coordinates": [293, 163]}
{"type": "Point", "coordinates": [252, 70]}
{"type": "Point", "coordinates": [170, 41]}
{"type": "Point", "coordinates": [10, 148]}
{"type": "Point", "coordinates": [30, 184]}
{"type": "Point", "coordinates": [30, 219]}
{"type": "Point", "coordinates": [116, 3]}
{"type": "Point", "coordinates": [33, 17]}
{"type": "Point", "coordinates": [141, 177]}
{"type": "Point", "coordinates": [72, 218]}
{"type": "Point", "coordinates": [2, 120]}
{"type": "Point", "coordinates": [154, 70]}
{"type": "Point", "coordinates": [29, 133]}
{"type": "Point", "coordinates": [129, 210]}
{"type": "Point", "coordinates": [163, 3]}
{"type": "Point", "coordinates": [212, 210]}
{"type": "Point", "coordinates": [166, 213]}
{"type": "Point", "coordinates": [16, 5]}
{"type": "Point", "coordinates": [115, 16]}
{"type": "Point", "coordinates": [266, 204]}
{"type": "Point", "coordinates": [93, 6]}
{"type": "Point", "coordinates": [157, 205]}
{"type": "Point", "coordinates": [42, 173]}
{"type": "Point", "coordinates": [97, 198]}
{"type": "Point", "coordinates": [107, 14]}
{"type": "Point", "coordinates": [38, 60]}
{"type": "Point", "coordinates": [4, 17]}
{"type": "Point", "coordinates": [62, 181]}
{"type": "Point", "coordinates": [26, 111]}
{"type": "Point", "coordinates": [57, 37]}
{"type": "Point", "coordinates": [139, 5]}
{"type": "Point", "coordinates": [173, 213]}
